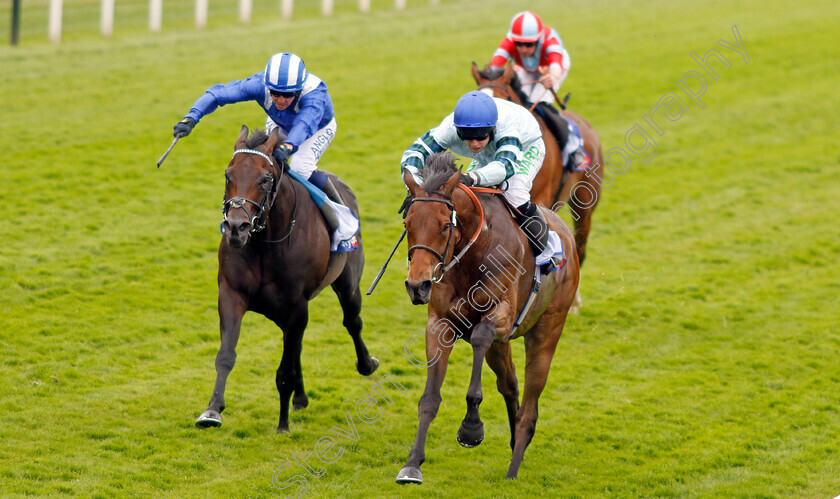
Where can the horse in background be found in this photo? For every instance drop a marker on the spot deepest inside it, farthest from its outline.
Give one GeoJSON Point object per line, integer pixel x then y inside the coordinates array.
{"type": "Point", "coordinates": [471, 262]}
{"type": "Point", "coordinates": [554, 186]}
{"type": "Point", "coordinates": [274, 258]}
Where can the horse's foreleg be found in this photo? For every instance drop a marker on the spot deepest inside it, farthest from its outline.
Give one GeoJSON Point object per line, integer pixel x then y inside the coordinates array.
{"type": "Point", "coordinates": [437, 354]}
{"type": "Point", "coordinates": [350, 299]}
{"type": "Point", "coordinates": [289, 378]}
{"type": "Point", "coordinates": [471, 432]}
{"type": "Point", "coordinates": [501, 362]}
{"type": "Point", "coordinates": [540, 344]}
{"type": "Point", "coordinates": [232, 307]}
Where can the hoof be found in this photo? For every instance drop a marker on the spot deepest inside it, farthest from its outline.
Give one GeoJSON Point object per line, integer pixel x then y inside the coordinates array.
{"type": "Point", "coordinates": [410, 474]}
{"type": "Point", "coordinates": [471, 437]}
{"type": "Point", "coordinates": [283, 428]}
{"type": "Point", "coordinates": [374, 361]}
{"type": "Point", "coordinates": [209, 419]}
{"type": "Point", "coordinates": [299, 403]}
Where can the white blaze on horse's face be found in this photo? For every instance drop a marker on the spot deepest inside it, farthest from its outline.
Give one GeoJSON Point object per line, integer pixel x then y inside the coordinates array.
{"type": "Point", "coordinates": [488, 91]}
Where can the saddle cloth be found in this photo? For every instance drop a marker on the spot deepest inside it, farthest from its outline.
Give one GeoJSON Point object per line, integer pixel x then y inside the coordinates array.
{"type": "Point", "coordinates": [343, 239]}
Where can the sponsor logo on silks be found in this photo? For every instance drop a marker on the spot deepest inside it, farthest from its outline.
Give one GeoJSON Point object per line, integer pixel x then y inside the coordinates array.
{"type": "Point", "coordinates": [320, 143]}
{"type": "Point", "coordinates": [528, 159]}
{"type": "Point", "coordinates": [347, 245]}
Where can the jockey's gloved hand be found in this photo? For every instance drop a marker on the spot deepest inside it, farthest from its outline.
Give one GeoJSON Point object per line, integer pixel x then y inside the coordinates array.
{"type": "Point", "coordinates": [468, 179]}
{"type": "Point", "coordinates": [183, 128]}
{"type": "Point", "coordinates": [282, 152]}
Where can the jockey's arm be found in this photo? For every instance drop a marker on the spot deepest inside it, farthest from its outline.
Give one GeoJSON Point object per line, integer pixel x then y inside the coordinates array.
{"type": "Point", "coordinates": [415, 156]}
{"type": "Point", "coordinates": [312, 106]}
{"type": "Point", "coordinates": [502, 166]}
{"type": "Point", "coordinates": [219, 95]}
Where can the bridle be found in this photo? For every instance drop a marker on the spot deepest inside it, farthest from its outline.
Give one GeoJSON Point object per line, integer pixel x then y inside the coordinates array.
{"type": "Point", "coordinates": [453, 222]}
{"type": "Point", "coordinates": [256, 221]}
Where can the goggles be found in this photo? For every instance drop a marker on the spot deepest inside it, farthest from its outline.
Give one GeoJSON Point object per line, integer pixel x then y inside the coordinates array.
{"type": "Point", "coordinates": [525, 44]}
{"type": "Point", "coordinates": [285, 95]}
{"type": "Point", "coordinates": [474, 133]}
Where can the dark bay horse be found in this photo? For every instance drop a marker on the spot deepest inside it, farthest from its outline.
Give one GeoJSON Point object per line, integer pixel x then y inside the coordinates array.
{"type": "Point", "coordinates": [472, 264]}
{"type": "Point", "coordinates": [578, 193]}
{"type": "Point", "coordinates": [273, 259]}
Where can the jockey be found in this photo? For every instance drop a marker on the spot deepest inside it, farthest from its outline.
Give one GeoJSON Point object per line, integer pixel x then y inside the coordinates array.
{"type": "Point", "coordinates": [541, 63]}
{"type": "Point", "coordinates": [506, 146]}
{"type": "Point", "coordinates": [298, 107]}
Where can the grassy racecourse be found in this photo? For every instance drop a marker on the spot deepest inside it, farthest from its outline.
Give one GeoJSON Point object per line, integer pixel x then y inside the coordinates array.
{"type": "Point", "coordinates": [704, 361]}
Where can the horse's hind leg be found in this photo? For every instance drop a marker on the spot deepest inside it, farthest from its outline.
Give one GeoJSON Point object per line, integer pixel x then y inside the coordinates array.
{"type": "Point", "coordinates": [540, 344]}
{"type": "Point", "coordinates": [583, 221]}
{"type": "Point", "coordinates": [346, 287]}
{"type": "Point", "coordinates": [232, 307]}
{"type": "Point", "coordinates": [501, 362]}
{"type": "Point", "coordinates": [471, 432]}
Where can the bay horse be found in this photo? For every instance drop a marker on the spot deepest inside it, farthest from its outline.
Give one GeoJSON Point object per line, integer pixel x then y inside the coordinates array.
{"type": "Point", "coordinates": [471, 262]}
{"type": "Point", "coordinates": [554, 187]}
{"type": "Point", "coordinates": [274, 258]}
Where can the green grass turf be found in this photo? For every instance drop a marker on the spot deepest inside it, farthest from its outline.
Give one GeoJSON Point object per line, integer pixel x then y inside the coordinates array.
{"type": "Point", "coordinates": [703, 363]}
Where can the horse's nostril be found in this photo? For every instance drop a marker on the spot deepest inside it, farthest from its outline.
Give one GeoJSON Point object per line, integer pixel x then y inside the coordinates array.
{"type": "Point", "coordinates": [425, 287]}
{"type": "Point", "coordinates": [243, 227]}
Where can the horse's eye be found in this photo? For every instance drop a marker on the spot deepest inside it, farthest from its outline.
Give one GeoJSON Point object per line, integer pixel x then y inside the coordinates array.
{"type": "Point", "coordinates": [265, 183]}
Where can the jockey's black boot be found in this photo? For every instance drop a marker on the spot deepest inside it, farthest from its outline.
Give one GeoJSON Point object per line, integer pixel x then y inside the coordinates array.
{"type": "Point", "coordinates": [560, 128]}
{"type": "Point", "coordinates": [536, 229]}
{"type": "Point", "coordinates": [556, 123]}
{"type": "Point", "coordinates": [331, 192]}
{"type": "Point", "coordinates": [329, 189]}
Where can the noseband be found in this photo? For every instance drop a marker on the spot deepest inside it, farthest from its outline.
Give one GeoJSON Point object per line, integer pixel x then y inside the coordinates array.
{"type": "Point", "coordinates": [261, 208]}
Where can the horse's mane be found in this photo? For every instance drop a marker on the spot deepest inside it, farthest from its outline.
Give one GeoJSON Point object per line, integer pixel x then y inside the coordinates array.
{"type": "Point", "coordinates": [492, 72]}
{"type": "Point", "coordinates": [257, 138]}
{"type": "Point", "coordinates": [517, 88]}
{"type": "Point", "coordinates": [438, 169]}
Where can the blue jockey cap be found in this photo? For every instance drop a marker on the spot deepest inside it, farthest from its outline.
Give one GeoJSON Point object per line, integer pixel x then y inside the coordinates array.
{"type": "Point", "coordinates": [285, 72]}
{"type": "Point", "coordinates": [476, 110]}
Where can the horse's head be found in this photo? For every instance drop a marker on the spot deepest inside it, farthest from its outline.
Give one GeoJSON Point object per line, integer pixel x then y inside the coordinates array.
{"type": "Point", "coordinates": [498, 82]}
{"type": "Point", "coordinates": [251, 182]}
{"type": "Point", "coordinates": [431, 225]}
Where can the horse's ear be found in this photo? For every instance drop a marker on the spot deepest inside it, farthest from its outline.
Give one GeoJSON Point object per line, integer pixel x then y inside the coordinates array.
{"type": "Point", "coordinates": [452, 183]}
{"type": "Point", "coordinates": [243, 134]}
{"type": "Point", "coordinates": [413, 188]}
{"type": "Point", "coordinates": [475, 74]}
{"type": "Point", "coordinates": [508, 72]}
{"type": "Point", "coordinates": [272, 141]}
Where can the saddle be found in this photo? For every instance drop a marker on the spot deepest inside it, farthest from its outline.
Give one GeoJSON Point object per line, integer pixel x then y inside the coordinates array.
{"type": "Point", "coordinates": [555, 123]}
